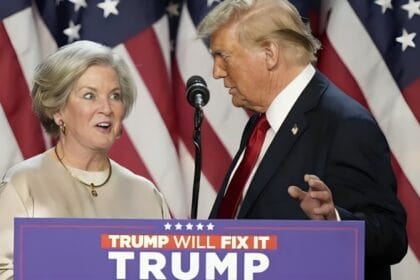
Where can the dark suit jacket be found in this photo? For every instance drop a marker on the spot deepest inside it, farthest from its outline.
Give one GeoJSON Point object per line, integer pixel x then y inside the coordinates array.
{"type": "Point", "coordinates": [340, 142]}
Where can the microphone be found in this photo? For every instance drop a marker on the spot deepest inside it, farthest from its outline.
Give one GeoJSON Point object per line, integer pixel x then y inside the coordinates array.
{"type": "Point", "coordinates": [197, 92]}
{"type": "Point", "coordinates": [198, 96]}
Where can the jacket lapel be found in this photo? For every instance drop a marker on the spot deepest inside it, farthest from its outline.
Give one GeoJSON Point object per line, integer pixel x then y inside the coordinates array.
{"type": "Point", "coordinates": [290, 131]}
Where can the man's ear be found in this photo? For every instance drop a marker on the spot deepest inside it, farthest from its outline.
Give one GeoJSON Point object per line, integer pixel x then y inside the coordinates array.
{"type": "Point", "coordinates": [272, 55]}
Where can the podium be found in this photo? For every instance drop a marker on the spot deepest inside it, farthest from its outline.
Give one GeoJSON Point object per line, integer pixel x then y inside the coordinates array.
{"type": "Point", "coordinates": [55, 248]}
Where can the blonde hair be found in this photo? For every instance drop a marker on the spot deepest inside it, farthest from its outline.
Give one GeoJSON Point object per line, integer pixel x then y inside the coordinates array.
{"type": "Point", "coordinates": [55, 76]}
{"type": "Point", "coordinates": [261, 21]}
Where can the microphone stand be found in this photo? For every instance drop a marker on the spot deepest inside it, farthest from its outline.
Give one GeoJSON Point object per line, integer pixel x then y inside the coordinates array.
{"type": "Point", "coordinates": [198, 118]}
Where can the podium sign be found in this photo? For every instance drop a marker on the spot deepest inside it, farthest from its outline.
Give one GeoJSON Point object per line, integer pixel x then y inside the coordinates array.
{"type": "Point", "coordinates": [58, 248]}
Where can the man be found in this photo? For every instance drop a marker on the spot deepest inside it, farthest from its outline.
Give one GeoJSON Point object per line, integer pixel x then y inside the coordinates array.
{"type": "Point", "coordinates": [304, 129]}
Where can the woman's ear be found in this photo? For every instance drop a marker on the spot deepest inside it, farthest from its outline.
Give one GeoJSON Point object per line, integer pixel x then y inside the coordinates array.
{"type": "Point", "coordinates": [272, 55]}
{"type": "Point", "coordinates": [58, 118]}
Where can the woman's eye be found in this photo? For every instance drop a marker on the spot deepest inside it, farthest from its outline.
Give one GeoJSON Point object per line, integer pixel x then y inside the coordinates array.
{"type": "Point", "coordinates": [88, 95]}
{"type": "Point", "coordinates": [116, 96]}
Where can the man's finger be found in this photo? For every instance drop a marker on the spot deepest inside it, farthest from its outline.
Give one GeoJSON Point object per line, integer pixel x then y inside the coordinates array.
{"type": "Point", "coordinates": [296, 192]}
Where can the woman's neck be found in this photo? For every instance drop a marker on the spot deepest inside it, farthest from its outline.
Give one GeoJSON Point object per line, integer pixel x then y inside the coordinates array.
{"type": "Point", "coordinates": [82, 157]}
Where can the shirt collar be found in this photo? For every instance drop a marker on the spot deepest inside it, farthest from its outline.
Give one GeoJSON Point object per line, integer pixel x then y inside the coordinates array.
{"type": "Point", "coordinates": [284, 101]}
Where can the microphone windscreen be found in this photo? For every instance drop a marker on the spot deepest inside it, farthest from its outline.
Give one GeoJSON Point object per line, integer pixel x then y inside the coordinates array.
{"type": "Point", "coordinates": [197, 87]}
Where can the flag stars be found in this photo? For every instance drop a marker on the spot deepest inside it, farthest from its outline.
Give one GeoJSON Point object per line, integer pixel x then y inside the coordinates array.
{"type": "Point", "coordinates": [173, 9]}
{"type": "Point", "coordinates": [412, 7]}
{"type": "Point", "coordinates": [109, 7]}
{"type": "Point", "coordinates": [78, 4]}
{"type": "Point", "coordinates": [72, 32]}
{"type": "Point", "coordinates": [406, 40]}
{"type": "Point", "coordinates": [385, 4]}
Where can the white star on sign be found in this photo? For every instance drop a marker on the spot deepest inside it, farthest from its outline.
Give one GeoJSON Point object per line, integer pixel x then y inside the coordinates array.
{"type": "Point", "coordinates": [109, 7]}
{"type": "Point", "coordinates": [385, 4]}
{"type": "Point", "coordinates": [178, 226]}
{"type": "Point", "coordinates": [412, 7]}
{"type": "Point", "coordinates": [72, 32]}
{"type": "Point", "coordinates": [406, 40]}
{"type": "Point", "coordinates": [173, 9]}
{"type": "Point", "coordinates": [167, 226]}
{"type": "Point", "coordinates": [78, 4]}
{"type": "Point", "coordinates": [210, 226]}
{"type": "Point", "coordinates": [199, 226]}
{"type": "Point", "coordinates": [189, 226]}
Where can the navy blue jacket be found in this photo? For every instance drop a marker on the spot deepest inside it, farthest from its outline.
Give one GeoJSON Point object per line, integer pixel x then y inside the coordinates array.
{"type": "Point", "coordinates": [339, 141]}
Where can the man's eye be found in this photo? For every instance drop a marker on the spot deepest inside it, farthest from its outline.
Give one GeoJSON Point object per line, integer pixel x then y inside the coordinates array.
{"type": "Point", "coordinates": [116, 96]}
{"type": "Point", "coordinates": [88, 95]}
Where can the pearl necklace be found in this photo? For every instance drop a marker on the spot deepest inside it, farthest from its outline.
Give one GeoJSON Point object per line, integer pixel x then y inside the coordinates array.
{"type": "Point", "coordinates": [92, 186]}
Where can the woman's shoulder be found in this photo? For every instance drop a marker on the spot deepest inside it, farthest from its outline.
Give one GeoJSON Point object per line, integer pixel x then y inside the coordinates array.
{"type": "Point", "coordinates": [26, 167]}
{"type": "Point", "coordinates": [123, 173]}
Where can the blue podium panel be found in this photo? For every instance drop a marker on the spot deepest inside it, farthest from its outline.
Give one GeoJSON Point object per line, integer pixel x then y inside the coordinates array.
{"type": "Point", "coordinates": [79, 249]}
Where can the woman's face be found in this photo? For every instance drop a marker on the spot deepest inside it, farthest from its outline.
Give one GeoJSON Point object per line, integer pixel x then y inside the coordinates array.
{"type": "Point", "coordinates": [94, 110]}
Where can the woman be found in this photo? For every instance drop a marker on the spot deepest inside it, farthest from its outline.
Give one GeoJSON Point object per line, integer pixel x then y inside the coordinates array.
{"type": "Point", "coordinates": [81, 94]}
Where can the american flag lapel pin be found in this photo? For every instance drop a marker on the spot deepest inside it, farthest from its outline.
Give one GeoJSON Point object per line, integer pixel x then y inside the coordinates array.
{"type": "Point", "coordinates": [294, 129]}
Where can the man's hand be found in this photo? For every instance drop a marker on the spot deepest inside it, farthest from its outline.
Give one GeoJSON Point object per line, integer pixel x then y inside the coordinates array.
{"type": "Point", "coordinates": [318, 202]}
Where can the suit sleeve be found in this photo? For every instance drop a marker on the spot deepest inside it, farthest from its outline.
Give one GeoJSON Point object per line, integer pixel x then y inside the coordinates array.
{"type": "Point", "coordinates": [362, 181]}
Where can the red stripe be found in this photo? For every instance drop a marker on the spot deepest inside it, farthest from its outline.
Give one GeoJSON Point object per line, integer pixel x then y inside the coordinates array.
{"type": "Point", "coordinates": [215, 157]}
{"type": "Point", "coordinates": [332, 66]}
{"type": "Point", "coordinates": [411, 202]}
{"type": "Point", "coordinates": [124, 152]}
{"type": "Point", "coordinates": [412, 96]}
{"type": "Point", "coordinates": [16, 101]}
{"type": "Point", "coordinates": [146, 54]}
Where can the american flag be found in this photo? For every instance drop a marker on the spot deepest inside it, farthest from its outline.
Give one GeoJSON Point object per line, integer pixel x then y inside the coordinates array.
{"type": "Point", "coordinates": [370, 49]}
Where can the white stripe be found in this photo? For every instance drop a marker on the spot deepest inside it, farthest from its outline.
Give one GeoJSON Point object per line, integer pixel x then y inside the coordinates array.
{"type": "Point", "coordinates": [207, 195]}
{"type": "Point", "coordinates": [364, 61]}
{"type": "Point", "coordinates": [32, 42]}
{"type": "Point", "coordinates": [407, 268]}
{"type": "Point", "coordinates": [9, 149]}
{"type": "Point", "coordinates": [152, 140]}
{"type": "Point", "coordinates": [161, 29]}
{"type": "Point", "coordinates": [194, 59]}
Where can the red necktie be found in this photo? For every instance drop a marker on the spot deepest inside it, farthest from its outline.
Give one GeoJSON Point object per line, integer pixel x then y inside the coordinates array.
{"type": "Point", "coordinates": [233, 195]}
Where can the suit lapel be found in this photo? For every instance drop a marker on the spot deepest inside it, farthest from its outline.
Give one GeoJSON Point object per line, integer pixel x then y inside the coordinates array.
{"type": "Point", "coordinates": [290, 131]}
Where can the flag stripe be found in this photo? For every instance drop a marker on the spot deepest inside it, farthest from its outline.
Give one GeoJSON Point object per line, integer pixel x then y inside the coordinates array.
{"type": "Point", "coordinates": [146, 54]}
{"type": "Point", "coordinates": [9, 149]}
{"type": "Point", "coordinates": [412, 97]}
{"type": "Point", "coordinates": [157, 140]}
{"type": "Point", "coordinates": [128, 156]}
{"type": "Point", "coordinates": [207, 193]}
{"type": "Point", "coordinates": [212, 148]}
{"type": "Point", "coordinates": [384, 99]}
{"type": "Point", "coordinates": [194, 59]}
{"type": "Point", "coordinates": [339, 74]}
{"type": "Point", "coordinates": [412, 205]}
{"type": "Point", "coordinates": [145, 125]}
{"type": "Point", "coordinates": [16, 102]}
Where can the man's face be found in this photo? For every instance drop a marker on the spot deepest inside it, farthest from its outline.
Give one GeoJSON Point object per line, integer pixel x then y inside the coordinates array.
{"type": "Point", "coordinates": [242, 67]}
